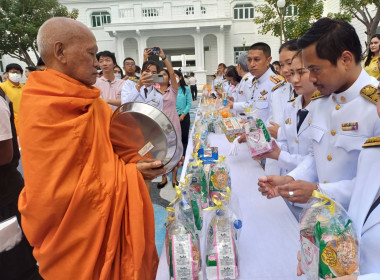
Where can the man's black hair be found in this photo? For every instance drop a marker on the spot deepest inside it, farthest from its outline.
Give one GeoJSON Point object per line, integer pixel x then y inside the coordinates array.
{"type": "Point", "coordinates": [106, 54]}
{"type": "Point", "coordinates": [31, 68]}
{"type": "Point", "coordinates": [263, 47]}
{"type": "Point", "coordinates": [222, 64]}
{"type": "Point", "coordinates": [332, 38]}
{"type": "Point", "coordinates": [14, 66]}
{"type": "Point", "coordinates": [192, 74]}
{"type": "Point", "coordinates": [138, 69]}
{"type": "Point", "coordinates": [128, 58]}
{"type": "Point", "coordinates": [290, 45]}
{"type": "Point", "coordinates": [40, 62]}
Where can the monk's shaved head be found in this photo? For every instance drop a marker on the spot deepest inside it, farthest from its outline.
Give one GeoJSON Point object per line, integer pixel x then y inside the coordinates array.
{"type": "Point", "coordinates": [68, 46]}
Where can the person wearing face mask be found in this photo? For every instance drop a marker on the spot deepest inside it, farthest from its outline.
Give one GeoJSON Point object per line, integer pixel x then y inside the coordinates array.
{"type": "Point", "coordinates": [110, 86]}
{"type": "Point", "coordinates": [118, 72]}
{"type": "Point", "coordinates": [13, 88]}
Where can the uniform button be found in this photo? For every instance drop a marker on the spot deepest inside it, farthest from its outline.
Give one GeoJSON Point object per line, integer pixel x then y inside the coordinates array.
{"type": "Point", "coordinates": [343, 99]}
{"type": "Point", "coordinates": [337, 107]}
{"type": "Point", "coordinates": [309, 122]}
{"type": "Point", "coordinates": [329, 157]}
{"type": "Point", "coordinates": [296, 140]}
{"type": "Point", "coordinates": [333, 132]}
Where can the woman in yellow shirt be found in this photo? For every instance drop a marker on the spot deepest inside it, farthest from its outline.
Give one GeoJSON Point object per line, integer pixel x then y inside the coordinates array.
{"type": "Point", "coordinates": [371, 64]}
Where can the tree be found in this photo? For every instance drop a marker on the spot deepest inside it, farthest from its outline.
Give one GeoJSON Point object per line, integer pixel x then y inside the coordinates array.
{"type": "Point", "coordinates": [365, 11]}
{"type": "Point", "coordinates": [19, 24]}
{"type": "Point", "coordinates": [294, 26]}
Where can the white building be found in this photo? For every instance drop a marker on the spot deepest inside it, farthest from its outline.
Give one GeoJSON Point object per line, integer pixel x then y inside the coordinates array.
{"type": "Point", "coordinates": [196, 35]}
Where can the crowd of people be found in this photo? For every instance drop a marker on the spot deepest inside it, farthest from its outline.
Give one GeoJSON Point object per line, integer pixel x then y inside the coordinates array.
{"type": "Point", "coordinates": [88, 214]}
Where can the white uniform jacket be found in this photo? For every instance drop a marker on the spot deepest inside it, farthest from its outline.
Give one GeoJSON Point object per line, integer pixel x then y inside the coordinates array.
{"type": "Point", "coordinates": [340, 124]}
{"type": "Point", "coordinates": [245, 89]}
{"type": "Point", "coordinates": [294, 145]}
{"type": "Point", "coordinates": [262, 91]}
{"type": "Point", "coordinates": [366, 191]}
{"type": "Point", "coordinates": [129, 93]}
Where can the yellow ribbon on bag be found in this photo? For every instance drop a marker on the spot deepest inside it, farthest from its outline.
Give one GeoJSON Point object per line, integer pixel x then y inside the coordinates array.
{"type": "Point", "coordinates": [220, 159]}
{"type": "Point", "coordinates": [326, 200]}
{"type": "Point", "coordinates": [197, 162]}
{"type": "Point", "coordinates": [178, 194]}
{"type": "Point", "coordinates": [218, 204]}
{"type": "Point", "coordinates": [170, 209]}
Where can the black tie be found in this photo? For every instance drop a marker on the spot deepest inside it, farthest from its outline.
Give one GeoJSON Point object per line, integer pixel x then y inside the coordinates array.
{"type": "Point", "coordinates": [301, 117]}
{"type": "Point", "coordinates": [146, 92]}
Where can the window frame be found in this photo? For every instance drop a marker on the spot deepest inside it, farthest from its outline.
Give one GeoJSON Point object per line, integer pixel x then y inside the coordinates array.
{"type": "Point", "coordinates": [99, 18]}
{"type": "Point", "coordinates": [244, 11]}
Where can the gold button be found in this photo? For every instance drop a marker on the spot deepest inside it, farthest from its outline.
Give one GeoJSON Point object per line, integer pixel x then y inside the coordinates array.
{"type": "Point", "coordinates": [337, 107]}
{"type": "Point", "coordinates": [343, 99]}
{"type": "Point", "coordinates": [329, 158]}
{"type": "Point", "coordinates": [325, 182]}
{"type": "Point", "coordinates": [333, 132]}
{"type": "Point", "coordinates": [333, 98]}
{"type": "Point", "coordinates": [309, 122]}
{"type": "Point", "coordinates": [296, 140]}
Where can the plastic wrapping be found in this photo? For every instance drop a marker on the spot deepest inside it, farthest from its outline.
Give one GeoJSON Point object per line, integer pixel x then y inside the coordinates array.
{"type": "Point", "coordinates": [219, 180]}
{"type": "Point", "coordinates": [329, 245]}
{"type": "Point", "coordinates": [10, 234]}
{"type": "Point", "coordinates": [222, 258]}
{"type": "Point", "coordinates": [258, 137]}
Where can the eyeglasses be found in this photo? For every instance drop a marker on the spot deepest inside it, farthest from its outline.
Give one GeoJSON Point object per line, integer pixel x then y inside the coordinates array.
{"type": "Point", "coordinates": [129, 64]}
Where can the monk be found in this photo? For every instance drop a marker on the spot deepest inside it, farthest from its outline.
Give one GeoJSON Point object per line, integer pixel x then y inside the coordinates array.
{"type": "Point", "coordinates": [85, 211]}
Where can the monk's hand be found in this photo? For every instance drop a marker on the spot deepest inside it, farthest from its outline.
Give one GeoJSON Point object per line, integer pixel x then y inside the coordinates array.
{"type": "Point", "coordinates": [273, 130]}
{"type": "Point", "coordinates": [297, 191]}
{"type": "Point", "coordinates": [268, 185]}
{"type": "Point", "coordinates": [275, 154]}
{"type": "Point", "coordinates": [150, 168]}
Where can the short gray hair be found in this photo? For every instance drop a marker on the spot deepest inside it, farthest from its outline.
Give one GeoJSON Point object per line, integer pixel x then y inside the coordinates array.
{"type": "Point", "coordinates": [243, 61]}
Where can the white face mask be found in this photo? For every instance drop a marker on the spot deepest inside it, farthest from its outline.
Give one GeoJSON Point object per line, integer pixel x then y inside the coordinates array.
{"type": "Point", "coordinates": [118, 76]}
{"type": "Point", "coordinates": [177, 80]}
{"type": "Point", "coordinates": [14, 77]}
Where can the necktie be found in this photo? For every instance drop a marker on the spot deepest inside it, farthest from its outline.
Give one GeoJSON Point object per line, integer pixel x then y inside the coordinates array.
{"type": "Point", "coordinates": [146, 92]}
{"type": "Point", "coordinates": [301, 117]}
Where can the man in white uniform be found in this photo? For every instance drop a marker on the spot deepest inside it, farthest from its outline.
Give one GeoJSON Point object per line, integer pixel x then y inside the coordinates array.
{"type": "Point", "coordinates": [341, 121]}
{"type": "Point", "coordinates": [245, 87]}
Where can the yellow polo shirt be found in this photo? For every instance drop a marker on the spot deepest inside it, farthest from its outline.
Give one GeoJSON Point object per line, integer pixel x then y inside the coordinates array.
{"type": "Point", "coordinates": [14, 94]}
{"type": "Point", "coordinates": [372, 68]}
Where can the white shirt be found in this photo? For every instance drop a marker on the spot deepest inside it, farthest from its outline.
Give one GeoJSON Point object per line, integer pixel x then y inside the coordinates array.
{"type": "Point", "coordinates": [129, 93]}
{"type": "Point", "coordinates": [334, 155]}
{"type": "Point", "coordinates": [244, 90]}
{"type": "Point", "coordinates": [294, 145]}
{"type": "Point", "coordinates": [192, 81]}
{"type": "Point", "coordinates": [5, 124]}
{"type": "Point", "coordinates": [365, 192]}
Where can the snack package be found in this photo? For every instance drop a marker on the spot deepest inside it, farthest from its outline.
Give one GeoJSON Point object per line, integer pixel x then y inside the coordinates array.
{"type": "Point", "coordinates": [208, 155]}
{"type": "Point", "coordinates": [219, 180]}
{"type": "Point", "coordinates": [183, 250]}
{"type": "Point", "coordinates": [231, 128]}
{"type": "Point", "coordinates": [193, 179]}
{"type": "Point", "coordinates": [222, 261]}
{"type": "Point", "coordinates": [205, 175]}
{"type": "Point", "coordinates": [258, 137]}
{"type": "Point", "coordinates": [329, 245]}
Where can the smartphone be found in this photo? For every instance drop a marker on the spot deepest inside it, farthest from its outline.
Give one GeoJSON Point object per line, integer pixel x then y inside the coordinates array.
{"type": "Point", "coordinates": [157, 78]}
{"type": "Point", "coordinates": [155, 51]}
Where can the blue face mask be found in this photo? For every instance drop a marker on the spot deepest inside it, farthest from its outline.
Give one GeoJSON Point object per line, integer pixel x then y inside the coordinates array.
{"type": "Point", "coordinates": [138, 75]}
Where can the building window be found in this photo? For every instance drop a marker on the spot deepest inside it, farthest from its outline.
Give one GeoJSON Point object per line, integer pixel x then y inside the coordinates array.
{"type": "Point", "coordinates": [291, 11]}
{"type": "Point", "coordinates": [238, 51]}
{"type": "Point", "coordinates": [189, 10]}
{"type": "Point", "coordinates": [150, 12]}
{"type": "Point", "coordinates": [100, 18]}
{"type": "Point", "coordinates": [378, 30]}
{"type": "Point", "coordinates": [243, 11]}
{"type": "Point", "coordinates": [203, 10]}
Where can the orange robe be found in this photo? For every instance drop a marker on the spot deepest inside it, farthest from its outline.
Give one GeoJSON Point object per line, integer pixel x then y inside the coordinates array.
{"type": "Point", "coordinates": [87, 213]}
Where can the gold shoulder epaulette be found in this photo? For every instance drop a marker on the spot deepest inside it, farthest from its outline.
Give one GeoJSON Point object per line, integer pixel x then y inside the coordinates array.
{"type": "Point", "coordinates": [133, 79]}
{"type": "Point", "coordinates": [372, 142]}
{"type": "Point", "coordinates": [369, 92]}
{"type": "Point", "coordinates": [317, 95]}
{"type": "Point", "coordinates": [292, 99]}
{"type": "Point", "coordinates": [276, 78]}
{"type": "Point", "coordinates": [279, 85]}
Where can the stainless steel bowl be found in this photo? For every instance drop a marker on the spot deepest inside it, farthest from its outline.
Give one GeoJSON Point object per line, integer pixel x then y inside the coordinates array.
{"type": "Point", "coordinates": [142, 130]}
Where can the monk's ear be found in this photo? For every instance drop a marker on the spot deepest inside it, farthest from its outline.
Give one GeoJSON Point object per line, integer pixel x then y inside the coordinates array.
{"type": "Point", "coordinates": [59, 52]}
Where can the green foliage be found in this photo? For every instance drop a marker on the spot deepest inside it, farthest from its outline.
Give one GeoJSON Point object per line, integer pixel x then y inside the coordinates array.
{"type": "Point", "coordinates": [20, 21]}
{"type": "Point", "coordinates": [293, 26]}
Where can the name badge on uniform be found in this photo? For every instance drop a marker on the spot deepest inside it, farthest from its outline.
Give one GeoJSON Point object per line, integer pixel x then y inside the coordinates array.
{"type": "Point", "coordinates": [288, 121]}
{"type": "Point", "coordinates": [262, 98]}
{"type": "Point", "coordinates": [155, 101]}
{"type": "Point", "coordinates": [350, 126]}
